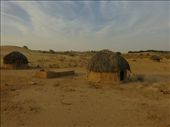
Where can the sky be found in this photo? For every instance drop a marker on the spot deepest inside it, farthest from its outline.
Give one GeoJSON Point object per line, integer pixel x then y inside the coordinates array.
{"type": "Point", "coordinates": [86, 25]}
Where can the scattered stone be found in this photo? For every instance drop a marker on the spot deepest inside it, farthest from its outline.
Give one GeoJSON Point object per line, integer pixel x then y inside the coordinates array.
{"type": "Point", "coordinates": [6, 84]}
{"type": "Point", "coordinates": [32, 83]}
{"type": "Point", "coordinates": [134, 60]}
{"type": "Point", "coordinates": [57, 84]}
{"type": "Point", "coordinates": [168, 125]}
{"type": "Point", "coordinates": [42, 70]}
{"type": "Point", "coordinates": [69, 90]}
{"type": "Point", "coordinates": [12, 89]}
{"type": "Point", "coordinates": [95, 85]}
{"type": "Point", "coordinates": [164, 91]}
{"type": "Point", "coordinates": [66, 103]}
{"type": "Point", "coordinates": [34, 109]}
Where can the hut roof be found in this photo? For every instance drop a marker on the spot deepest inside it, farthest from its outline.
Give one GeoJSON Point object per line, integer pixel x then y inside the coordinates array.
{"type": "Point", "coordinates": [15, 56]}
{"type": "Point", "coordinates": [107, 61]}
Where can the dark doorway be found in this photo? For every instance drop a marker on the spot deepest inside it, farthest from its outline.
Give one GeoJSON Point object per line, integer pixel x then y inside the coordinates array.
{"type": "Point", "coordinates": [121, 75]}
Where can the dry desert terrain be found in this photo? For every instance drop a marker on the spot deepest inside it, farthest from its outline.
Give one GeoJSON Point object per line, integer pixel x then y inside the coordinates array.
{"type": "Point", "coordinates": [72, 101]}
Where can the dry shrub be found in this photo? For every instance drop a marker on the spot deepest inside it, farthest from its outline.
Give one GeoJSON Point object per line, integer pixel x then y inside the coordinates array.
{"type": "Point", "coordinates": [155, 58]}
{"type": "Point", "coordinates": [167, 57]}
{"type": "Point", "coordinates": [72, 63]}
{"type": "Point", "coordinates": [38, 66]}
{"type": "Point", "coordinates": [51, 51]}
{"type": "Point", "coordinates": [134, 60]}
{"type": "Point", "coordinates": [148, 54]}
{"type": "Point", "coordinates": [57, 84]}
{"type": "Point", "coordinates": [95, 85]}
{"type": "Point", "coordinates": [54, 66]}
{"type": "Point", "coordinates": [62, 58]}
{"type": "Point", "coordinates": [137, 78]}
{"type": "Point", "coordinates": [25, 47]}
{"type": "Point", "coordinates": [72, 54]}
{"type": "Point", "coordinates": [118, 53]}
{"type": "Point", "coordinates": [75, 65]}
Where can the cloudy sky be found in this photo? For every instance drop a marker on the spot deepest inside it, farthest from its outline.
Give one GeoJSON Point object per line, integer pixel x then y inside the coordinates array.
{"type": "Point", "coordinates": [86, 25]}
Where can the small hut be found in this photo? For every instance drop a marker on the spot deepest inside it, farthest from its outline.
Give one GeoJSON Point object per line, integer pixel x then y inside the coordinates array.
{"type": "Point", "coordinates": [15, 60]}
{"type": "Point", "coordinates": [108, 66]}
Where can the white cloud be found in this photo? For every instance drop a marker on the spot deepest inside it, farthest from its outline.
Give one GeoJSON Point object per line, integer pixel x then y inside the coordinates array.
{"type": "Point", "coordinates": [87, 22]}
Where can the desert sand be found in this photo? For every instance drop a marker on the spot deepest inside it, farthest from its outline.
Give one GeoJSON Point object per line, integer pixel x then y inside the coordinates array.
{"type": "Point", "coordinates": [72, 101]}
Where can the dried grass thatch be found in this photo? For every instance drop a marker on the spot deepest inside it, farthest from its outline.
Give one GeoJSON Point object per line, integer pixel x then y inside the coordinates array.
{"type": "Point", "coordinates": [15, 57]}
{"type": "Point", "coordinates": [107, 61]}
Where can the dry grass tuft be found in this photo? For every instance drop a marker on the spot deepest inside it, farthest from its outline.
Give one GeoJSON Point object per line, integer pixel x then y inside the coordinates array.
{"type": "Point", "coordinates": [156, 58]}
{"type": "Point", "coordinates": [137, 78]}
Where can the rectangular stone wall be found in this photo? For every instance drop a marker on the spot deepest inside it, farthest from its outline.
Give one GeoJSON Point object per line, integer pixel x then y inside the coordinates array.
{"type": "Point", "coordinates": [53, 74]}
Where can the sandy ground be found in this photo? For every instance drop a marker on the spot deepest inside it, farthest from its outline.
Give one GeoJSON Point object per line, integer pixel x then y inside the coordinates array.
{"type": "Point", "coordinates": [72, 101]}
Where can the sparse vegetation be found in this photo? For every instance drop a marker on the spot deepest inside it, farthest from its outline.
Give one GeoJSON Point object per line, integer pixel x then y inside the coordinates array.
{"type": "Point", "coordinates": [136, 78]}
{"type": "Point", "coordinates": [118, 53]}
{"type": "Point", "coordinates": [26, 47]}
{"type": "Point", "coordinates": [54, 66]}
{"type": "Point", "coordinates": [156, 58]}
{"type": "Point", "coordinates": [167, 57]}
{"type": "Point", "coordinates": [147, 89]}
{"type": "Point", "coordinates": [156, 51]}
{"type": "Point", "coordinates": [134, 60]}
{"type": "Point", "coordinates": [51, 51]}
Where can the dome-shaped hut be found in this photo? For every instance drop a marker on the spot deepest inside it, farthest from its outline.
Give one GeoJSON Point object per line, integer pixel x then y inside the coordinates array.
{"type": "Point", "coordinates": [15, 60]}
{"type": "Point", "coordinates": [108, 66]}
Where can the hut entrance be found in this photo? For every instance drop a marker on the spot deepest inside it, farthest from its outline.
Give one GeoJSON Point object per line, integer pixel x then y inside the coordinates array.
{"type": "Point", "coordinates": [121, 75]}
{"type": "Point", "coordinates": [17, 63]}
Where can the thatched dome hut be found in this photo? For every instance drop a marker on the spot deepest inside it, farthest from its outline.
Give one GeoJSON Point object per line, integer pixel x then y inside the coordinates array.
{"type": "Point", "coordinates": [108, 66]}
{"type": "Point", "coordinates": [15, 60]}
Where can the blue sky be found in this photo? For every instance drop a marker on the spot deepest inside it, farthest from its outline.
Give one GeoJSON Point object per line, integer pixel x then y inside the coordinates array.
{"type": "Point", "coordinates": [86, 25]}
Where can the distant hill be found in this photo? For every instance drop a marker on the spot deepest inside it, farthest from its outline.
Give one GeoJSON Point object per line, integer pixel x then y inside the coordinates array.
{"type": "Point", "coordinates": [148, 51]}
